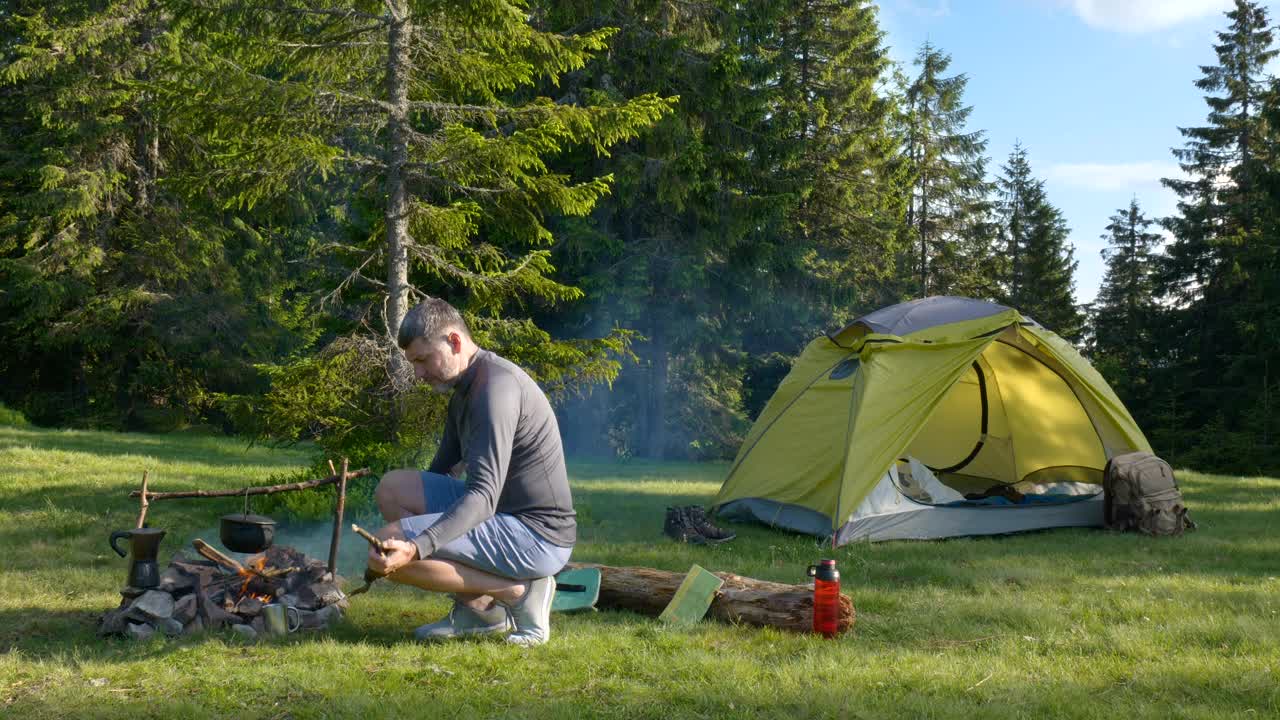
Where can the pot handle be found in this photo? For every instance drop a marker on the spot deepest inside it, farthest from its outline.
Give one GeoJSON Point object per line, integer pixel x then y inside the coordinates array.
{"type": "Point", "coordinates": [293, 618]}
{"type": "Point", "coordinates": [116, 536]}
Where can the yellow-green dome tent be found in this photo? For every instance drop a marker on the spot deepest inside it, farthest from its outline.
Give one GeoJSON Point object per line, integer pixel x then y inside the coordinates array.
{"type": "Point", "coordinates": [975, 392]}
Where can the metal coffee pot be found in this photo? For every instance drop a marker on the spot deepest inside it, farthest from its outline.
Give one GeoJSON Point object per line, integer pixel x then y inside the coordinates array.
{"type": "Point", "coordinates": [144, 546]}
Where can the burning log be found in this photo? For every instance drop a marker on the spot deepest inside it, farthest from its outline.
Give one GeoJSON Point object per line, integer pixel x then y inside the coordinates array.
{"type": "Point", "coordinates": [741, 600]}
{"type": "Point", "coordinates": [212, 553]}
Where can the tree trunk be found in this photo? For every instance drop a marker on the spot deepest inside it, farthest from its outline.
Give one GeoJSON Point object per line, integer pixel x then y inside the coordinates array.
{"type": "Point", "coordinates": [655, 402]}
{"type": "Point", "coordinates": [924, 235]}
{"type": "Point", "coordinates": [658, 369]}
{"type": "Point", "coordinates": [397, 210]}
{"type": "Point", "coordinates": [741, 600]}
{"type": "Point", "coordinates": [146, 140]}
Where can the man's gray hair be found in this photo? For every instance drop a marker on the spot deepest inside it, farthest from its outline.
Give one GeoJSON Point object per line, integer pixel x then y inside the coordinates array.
{"type": "Point", "coordinates": [430, 318]}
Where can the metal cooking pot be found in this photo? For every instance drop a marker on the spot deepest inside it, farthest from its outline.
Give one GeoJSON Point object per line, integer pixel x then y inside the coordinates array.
{"type": "Point", "coordinates": [245, 533]}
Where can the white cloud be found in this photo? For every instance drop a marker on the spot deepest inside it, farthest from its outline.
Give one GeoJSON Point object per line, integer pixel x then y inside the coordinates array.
{"type": "Point", "coordinates": [1114, 177]}
{"type": "Point", "coordinates": [1139, 16]}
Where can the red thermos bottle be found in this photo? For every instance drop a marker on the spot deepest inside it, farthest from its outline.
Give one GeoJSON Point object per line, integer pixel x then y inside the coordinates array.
{"type": "Point", "coordinates": [826, 597]}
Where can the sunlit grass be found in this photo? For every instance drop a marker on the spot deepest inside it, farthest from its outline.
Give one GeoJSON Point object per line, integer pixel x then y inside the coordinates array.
{"type": "Point", "coordinates": [1068, 623]}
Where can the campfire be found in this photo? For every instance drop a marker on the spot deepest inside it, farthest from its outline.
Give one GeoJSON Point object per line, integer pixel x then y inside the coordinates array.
{"type": "Point", "coordinates": [215, 591]}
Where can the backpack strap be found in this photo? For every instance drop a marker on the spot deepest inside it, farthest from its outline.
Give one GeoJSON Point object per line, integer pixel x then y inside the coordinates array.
{"type": "Point", "coordinates": [1188, 524]}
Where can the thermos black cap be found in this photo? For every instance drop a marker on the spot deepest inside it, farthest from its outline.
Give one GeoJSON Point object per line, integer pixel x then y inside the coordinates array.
{"type": "Point", "coordinates": [825, 570]}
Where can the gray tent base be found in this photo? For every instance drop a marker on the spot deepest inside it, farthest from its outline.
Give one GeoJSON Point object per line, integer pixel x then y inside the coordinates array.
{"type": "Point", "coordinates": [918, 521]}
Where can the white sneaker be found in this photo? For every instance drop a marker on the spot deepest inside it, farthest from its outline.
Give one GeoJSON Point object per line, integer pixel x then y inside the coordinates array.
{"type": "Point", "coordinates": [463, 621]}
{"type": "Point", "coordinates": [532, 613]}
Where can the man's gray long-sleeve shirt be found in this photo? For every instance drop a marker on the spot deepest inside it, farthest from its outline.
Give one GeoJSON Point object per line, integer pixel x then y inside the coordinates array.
{"type": "Point", "coordinates": [501, 424]}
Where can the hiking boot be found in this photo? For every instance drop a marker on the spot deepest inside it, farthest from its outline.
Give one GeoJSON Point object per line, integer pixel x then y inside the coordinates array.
{"type": "Point", "coordinates": [463, 621]}
{"type": "Point", "coordinates": [532, 613]}
{"type": "Point", "coordinates": [697, 518]}
{"type": "Point", "coordinates": [678, 528]}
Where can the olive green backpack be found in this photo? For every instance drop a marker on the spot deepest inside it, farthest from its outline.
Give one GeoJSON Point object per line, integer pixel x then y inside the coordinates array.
{"type": "Point", "coordinates": [1140, 493]}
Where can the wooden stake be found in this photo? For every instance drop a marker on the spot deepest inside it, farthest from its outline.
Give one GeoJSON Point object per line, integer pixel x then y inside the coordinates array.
{"type": "Point", "coordinates": [142, 513]}
{"type": "Point", "coordinates": [337, 517]}
{"type": "Point", "coordinates": [260, 490]}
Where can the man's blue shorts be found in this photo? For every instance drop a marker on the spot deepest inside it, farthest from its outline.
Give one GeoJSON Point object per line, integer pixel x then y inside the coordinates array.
{"type": "Point", "coordinates": [501, 545]}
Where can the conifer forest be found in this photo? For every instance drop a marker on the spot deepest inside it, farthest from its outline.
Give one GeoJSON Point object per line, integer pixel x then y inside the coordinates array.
{"type": "Point", "coordinates": [215, 213]}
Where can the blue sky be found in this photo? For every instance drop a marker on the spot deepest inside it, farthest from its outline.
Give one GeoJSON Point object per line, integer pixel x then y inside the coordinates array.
{"type": "Point", "coordinates": [1094, 89]}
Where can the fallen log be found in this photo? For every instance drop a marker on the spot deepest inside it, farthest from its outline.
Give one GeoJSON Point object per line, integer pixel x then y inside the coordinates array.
{"type": "Point", "coordinates": [741, 600]}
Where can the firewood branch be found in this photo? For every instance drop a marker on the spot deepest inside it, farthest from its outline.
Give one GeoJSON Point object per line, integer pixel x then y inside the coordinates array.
{"type": "Point", "coordinates": [259, 490]}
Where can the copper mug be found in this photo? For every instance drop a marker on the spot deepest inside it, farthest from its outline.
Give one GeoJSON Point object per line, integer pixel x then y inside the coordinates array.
{"type": "Point", "coordinates": [280, 619]}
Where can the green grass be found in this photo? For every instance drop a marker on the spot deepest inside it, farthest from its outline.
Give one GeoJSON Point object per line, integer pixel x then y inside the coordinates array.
{"type": "Point", "coordinates": [1066, 623]}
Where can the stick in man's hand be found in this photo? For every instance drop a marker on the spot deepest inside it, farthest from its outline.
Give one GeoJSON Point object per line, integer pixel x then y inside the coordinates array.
{"type": "Point", "coordinates": [369, 538]}
{"type": "Point", "coordinates": [369, 575]}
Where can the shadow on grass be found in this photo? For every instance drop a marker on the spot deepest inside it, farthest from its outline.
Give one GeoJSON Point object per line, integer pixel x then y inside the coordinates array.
{"type": "Point", "coordinates": [178, 448]}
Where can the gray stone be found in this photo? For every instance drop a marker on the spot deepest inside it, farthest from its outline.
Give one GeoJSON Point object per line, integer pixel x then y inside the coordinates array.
{"type": "Point", "coordinates": [215, 617]}
{"type": "Point", "coordinates": [152, 605]}
{"type": "Point", "coordinates": [140, 631]}
{"type": "Point", "coordinates": [326, 593]}
{"type": "Point", "coordinates": [113, 622]}
{"type": "Point", "coordinates": [169, 626]}
{"type": "Point", "coordinates": [319, 619]}
{"type": "Point", "coordinates": [307, 620]}
{"type": "Point", "coordinates": [177, 581]}
{"type": "Point", "coordinates": [249, 606]}
{"type": "Point", "coordinates": [328, 615]}
{"type": "Point", "coordinates": [184, 608]}
{"type": "Point", "coordinates": [244, 632]}
{"type": "Point", "coordinates": [257, 624]}
{"type": "Point", "coordinates": [195, 627]}
{"type": "Point", "coordinates": [305, 598]}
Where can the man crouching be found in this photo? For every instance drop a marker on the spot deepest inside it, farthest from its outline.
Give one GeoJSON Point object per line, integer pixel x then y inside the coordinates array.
{"type": "Point", "coordinates": [496, 540]}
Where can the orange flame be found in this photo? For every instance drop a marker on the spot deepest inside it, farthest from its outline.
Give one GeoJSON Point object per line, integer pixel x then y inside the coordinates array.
{"type": "Point", "coordinates": [259, 564]}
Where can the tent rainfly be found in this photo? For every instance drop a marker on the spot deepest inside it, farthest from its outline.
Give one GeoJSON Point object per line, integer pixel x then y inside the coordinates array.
{"type": "Point", "coordinates": [935, 418]}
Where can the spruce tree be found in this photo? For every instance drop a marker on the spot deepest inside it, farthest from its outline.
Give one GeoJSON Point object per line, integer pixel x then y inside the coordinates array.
{"type": "Point", "coordinates": [949, 185]}
{"type": "Point", "coordinates": [1125, 311]}
{"type": "Point", "coordinates": [759, 213]}
{"type": "Point", "coordinates": [1040, 274]}
{"type": "Point", "coordinates": [1016, 188]}
{"type": "Point", "coordinates": [123, 302]}
{"type": "Point", "coordinates": [422, 122]}
{"type": "Point", "coordinates": [654, 255]}
{"type": "Point", "coordinates": [832, 149]}
{"type": "Point", "coordinates": [1218, 338]}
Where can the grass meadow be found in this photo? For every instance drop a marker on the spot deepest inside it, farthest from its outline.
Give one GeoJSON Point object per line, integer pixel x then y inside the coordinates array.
{"type": "Point", "coordinates": [1068, 623]}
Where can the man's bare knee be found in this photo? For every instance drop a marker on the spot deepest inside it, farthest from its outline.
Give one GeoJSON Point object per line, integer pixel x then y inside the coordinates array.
{"type": "Point", "coordinates": [399, 495]}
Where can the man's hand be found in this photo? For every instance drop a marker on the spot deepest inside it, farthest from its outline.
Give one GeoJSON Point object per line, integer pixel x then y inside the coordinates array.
{"type": "Point", "coordinates": [394, 555]}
